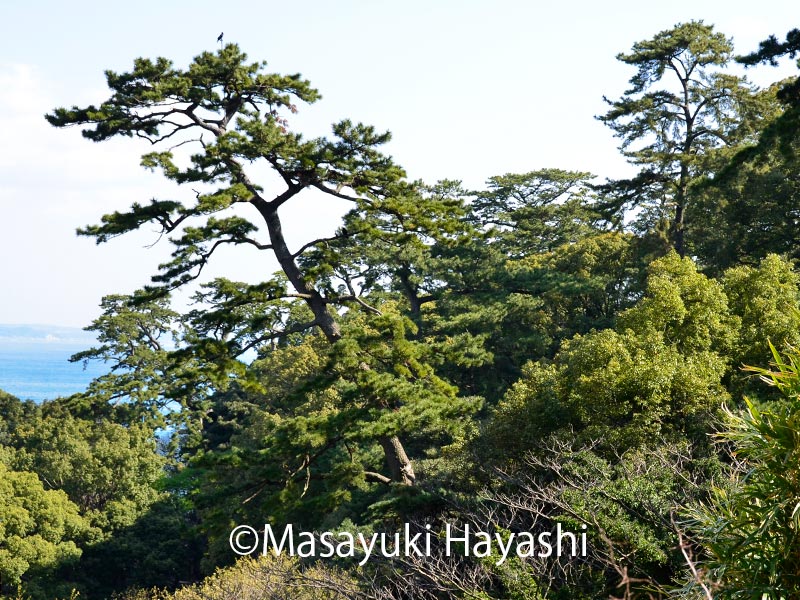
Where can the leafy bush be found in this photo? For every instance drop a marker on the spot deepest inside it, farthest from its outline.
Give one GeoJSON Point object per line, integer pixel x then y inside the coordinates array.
{"type": "Point", "coordinates": [266, 578]}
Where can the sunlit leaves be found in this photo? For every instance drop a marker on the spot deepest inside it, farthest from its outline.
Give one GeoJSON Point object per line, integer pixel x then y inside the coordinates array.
{"type": "Point", "coordinates": [39, 528]}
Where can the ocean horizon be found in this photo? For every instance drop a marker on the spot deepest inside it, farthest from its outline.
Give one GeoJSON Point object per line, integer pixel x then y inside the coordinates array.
{"type": "Point", "coordinates": [34, 361]}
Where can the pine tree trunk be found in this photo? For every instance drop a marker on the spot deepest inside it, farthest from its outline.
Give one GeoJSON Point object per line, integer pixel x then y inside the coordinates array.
{"type": "Point", "coordinates": [678, 240]}
{"type": "Point", "coordinates": [678, 232]}
{"type": "Point", "coordinates": [400, 466]}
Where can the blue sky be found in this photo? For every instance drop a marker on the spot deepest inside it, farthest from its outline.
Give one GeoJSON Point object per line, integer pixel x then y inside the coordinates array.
{"type": "Point", "coordinates": [468, 89]}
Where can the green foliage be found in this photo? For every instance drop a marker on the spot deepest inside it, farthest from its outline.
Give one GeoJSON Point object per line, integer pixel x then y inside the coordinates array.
{"type": "Point", "coordinates": [748, 527]}
{"type": "Point", "coordinates": [586, 284]}
{"type": "Point", "coordinates": [684, 307]}
{"type": "Point", "coordinates": [390, 244]}
{"type": "Point", "coordinates": [749, 208]}
{"type": "Point", "coordinates": [211, 82]}
{"type": "Point", "coordinates": [538, 268]}
{"type": "Point", "coordinates": [673, 132]}
{"type": "Point", "coordinates": [623, 503]}
{"type": "Point", "coordinates": [107, 470]}
{"type": "Point", "coordinates": [767, 300]}
{"type": "Point", "coordinates": [528, 213]}
{"type": "Point", "coordinates": [161, 547]}
{"type": "Point", "coordinates": [244, 111]}
{"type": "Point", "coordinates": [307, 449]}
{"type": "Point", "coordinates": [265, 578]}
{"type": "Point", "coordinates": [782, 133]}
{"type": "Point", "coordinates": [746, 209]}
{"type": "Point", "coordinates": [378, 366]}
{"type": "Point", "coordinates": [627, 512]}
{"type": "Point", "coordinates": [134, 338]}
{"type": "Point", "coordinates": [425, 304]}
{"type": "Point", "coordinates": [40, 529]}
{"type": "Point", "coordinates": [108, 477]}
{"type": "Point", "coordinates": [657, 373]}
{"type": "Point", "coordinates": [13, 414]}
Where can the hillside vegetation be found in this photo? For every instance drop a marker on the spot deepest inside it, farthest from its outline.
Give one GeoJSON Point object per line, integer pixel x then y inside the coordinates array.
{"type": "Point", "coordinates": [545, 354]}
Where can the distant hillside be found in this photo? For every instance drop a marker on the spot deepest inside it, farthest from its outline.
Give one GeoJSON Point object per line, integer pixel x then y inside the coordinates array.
{"type": "Point", "coordinates": [56, 335]}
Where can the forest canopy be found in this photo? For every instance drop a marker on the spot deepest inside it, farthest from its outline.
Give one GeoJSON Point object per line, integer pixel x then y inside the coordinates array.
{"type": "Point", "coordinates": [553, 350]}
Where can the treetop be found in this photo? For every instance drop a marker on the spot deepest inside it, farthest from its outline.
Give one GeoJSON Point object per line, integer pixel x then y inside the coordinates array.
{"type": "Point", "coordinates": [688, 44]}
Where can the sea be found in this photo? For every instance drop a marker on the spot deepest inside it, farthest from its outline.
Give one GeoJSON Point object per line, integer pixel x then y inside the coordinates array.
{"type": "Point", "coordinates": [34, 361]}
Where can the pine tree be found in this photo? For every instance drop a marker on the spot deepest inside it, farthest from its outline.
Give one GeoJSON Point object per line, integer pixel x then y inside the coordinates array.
{"type": "Point", "coordinates": [235, 114]}
{"type": "Point", "coordinates": [672, 132]}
